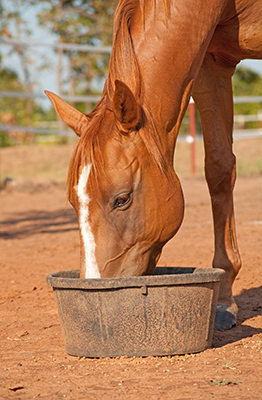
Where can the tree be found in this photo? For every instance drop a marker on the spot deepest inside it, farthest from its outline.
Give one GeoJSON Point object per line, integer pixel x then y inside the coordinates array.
{"type": "Point", "coordinates": [247, 83]}
{"type": "Point", "coordinates": [81, 22]}
{"type": "Point", "coordinates": [72, 21]}
{"type": "Point", "coordinates": [16, 113]}
{"type": "Point", "coordinates": [13, 24]}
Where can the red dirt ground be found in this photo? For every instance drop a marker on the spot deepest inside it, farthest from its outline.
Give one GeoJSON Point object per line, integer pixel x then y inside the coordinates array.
{"type": "Point", "coordinates": [39, 235]}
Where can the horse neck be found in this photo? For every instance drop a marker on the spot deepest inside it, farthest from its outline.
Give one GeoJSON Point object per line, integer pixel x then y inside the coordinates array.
{"type": "Point", "coordinates": [169, 50]}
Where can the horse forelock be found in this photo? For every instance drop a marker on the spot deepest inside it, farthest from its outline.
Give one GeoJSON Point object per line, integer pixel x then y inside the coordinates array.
{"type": "Point", "coordinates": [87, 150]}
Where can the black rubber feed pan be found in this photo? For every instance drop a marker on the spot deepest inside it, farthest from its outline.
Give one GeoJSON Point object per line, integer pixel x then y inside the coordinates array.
{"type": "Point", "coordinates": [170, 312]}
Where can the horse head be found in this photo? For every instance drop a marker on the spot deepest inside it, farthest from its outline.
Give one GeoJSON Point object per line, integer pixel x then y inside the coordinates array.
{"type": "Point", "coordinates": [128, 206]}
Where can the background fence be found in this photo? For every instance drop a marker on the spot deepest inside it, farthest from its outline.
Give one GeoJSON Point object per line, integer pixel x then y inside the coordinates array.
{"type": "Point", "coordinates": [190, 133]}
{"type": "Point", "coordinates": [239, 120]}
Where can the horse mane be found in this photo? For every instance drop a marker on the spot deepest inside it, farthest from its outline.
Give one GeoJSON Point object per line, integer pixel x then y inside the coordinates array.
{"type": "Point", "coordinates": [123, 66]}
{"type": "Point", "coordinates": [123, 63]}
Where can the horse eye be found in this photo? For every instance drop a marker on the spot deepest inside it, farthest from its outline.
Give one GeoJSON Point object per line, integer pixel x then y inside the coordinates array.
{"type": "Point", "coordinates": [122, 200]}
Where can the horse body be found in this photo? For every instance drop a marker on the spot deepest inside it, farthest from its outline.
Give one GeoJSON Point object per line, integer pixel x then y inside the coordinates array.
{"type": "Point", "coordinates": [121, 180]}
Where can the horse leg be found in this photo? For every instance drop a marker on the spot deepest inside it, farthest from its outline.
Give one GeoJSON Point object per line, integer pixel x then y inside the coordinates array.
{"type": "Point", "coordinates": [213, 97]}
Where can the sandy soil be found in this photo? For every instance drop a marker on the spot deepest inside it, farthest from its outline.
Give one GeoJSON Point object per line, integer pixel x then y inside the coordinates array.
{"type": "Point", "coordinates": [39, 235]}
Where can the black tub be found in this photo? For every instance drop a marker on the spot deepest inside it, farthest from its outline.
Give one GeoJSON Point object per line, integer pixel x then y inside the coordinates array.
{"type": "Point", "coordinates": [170, 312]}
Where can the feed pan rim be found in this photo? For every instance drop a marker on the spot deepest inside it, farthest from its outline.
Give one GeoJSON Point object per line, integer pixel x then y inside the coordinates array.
{"type": "Point", "coordinates": [197, 275]}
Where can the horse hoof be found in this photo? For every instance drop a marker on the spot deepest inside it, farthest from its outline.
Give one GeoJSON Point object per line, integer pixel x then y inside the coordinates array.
{"type": "Point", "coordinates": [225, 316]}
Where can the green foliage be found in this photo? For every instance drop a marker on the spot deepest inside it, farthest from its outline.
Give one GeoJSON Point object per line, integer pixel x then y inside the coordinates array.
{"type": "Point", "coordinates": [72, 21]}
{"type": "Point", "coordinates": [22, 112]}
{"type": "Point", "coordinates": [247, 83]}
{"type": "Point", "coordinates": [82, 22]}
{"type": "Point", "coordinates": [14, 25]}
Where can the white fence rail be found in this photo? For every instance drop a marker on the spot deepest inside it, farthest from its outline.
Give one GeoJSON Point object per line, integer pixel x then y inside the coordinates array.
{"type": "Point", "coordinates": [238, 119]}
{"type": "Point", "coordinates": [63, 46]}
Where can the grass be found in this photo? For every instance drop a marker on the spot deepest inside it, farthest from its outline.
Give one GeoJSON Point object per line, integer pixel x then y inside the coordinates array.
{"type": "Point", "coordinates": [37, 163]}
{"type": "Point", "coordinates": [248, 154]}
{"type": "Point", "coordinates": [230, 364]}
{"type": "Point", "coordinates": [248, 168]}
{"type": "Point", "coordinates": [46, 163]}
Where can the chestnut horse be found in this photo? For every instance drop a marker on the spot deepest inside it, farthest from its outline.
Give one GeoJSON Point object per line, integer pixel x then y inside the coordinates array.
{"type": "Point", "coordinates": [121, 180]}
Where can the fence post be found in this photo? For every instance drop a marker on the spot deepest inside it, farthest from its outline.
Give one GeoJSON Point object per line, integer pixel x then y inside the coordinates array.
{"type": "Point", "coordinates": [192, 130]}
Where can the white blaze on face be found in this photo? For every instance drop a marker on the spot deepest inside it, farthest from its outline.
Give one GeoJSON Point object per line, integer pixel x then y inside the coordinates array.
{"type": "Point", "coordinates": [91, 268]}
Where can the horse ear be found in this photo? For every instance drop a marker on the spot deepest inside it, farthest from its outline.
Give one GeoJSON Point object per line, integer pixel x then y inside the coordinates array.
{"type": "Point", "coordinates": [69, 115]}
{"type": "Point", "coordinates": [125, 107]}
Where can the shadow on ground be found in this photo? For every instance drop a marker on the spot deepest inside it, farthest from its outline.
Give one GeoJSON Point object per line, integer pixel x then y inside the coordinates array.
{"type": "Point", "coordinates": [249, 304]}
{"type": "Point", "coordinates": [33, 222]}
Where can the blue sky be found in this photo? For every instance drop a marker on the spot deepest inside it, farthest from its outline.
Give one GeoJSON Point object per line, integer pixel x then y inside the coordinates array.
{"type": "Point", "coordinates": [256, 65]}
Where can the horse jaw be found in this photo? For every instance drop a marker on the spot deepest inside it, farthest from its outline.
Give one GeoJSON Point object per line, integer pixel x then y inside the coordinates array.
{"type": "Point", "coordinates": [89, 267]}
